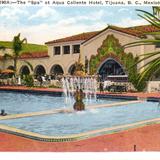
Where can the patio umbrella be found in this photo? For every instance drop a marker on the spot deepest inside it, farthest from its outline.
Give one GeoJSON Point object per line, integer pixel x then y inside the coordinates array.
{"type": "Point", "coordinates": [7, 71]}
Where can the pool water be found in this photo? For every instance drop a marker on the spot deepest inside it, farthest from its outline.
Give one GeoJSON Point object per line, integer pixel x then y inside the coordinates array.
{"type": "Point", "coordinates": [91, 119]}
{"type": "Point", "coordinates": [15, 103]}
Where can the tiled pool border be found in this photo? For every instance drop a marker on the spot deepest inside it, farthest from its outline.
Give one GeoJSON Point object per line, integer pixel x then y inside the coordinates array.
{"type": "Point", "coordinates": [59, 92]}
{"type": "Point", "coordinates": [153, 99]}
{"type": "Point", "coordinates": [32, 91]}
{"type": "Point", "coordinates": [112, 96]}
{"type": "Point", "coordinates": [76, 137]}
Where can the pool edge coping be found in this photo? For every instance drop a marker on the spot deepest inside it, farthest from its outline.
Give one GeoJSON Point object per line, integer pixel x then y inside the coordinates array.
{"type": "Point", "coordinates": [76, 137]}
{"type": "Point", "coordinates": [63, 110]}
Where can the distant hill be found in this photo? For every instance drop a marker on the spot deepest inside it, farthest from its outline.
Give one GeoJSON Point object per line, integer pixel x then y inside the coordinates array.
{"type": "Point", "coordinates": [26, 47]}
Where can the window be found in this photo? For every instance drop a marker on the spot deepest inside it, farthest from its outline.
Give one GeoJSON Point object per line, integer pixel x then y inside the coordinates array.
{"type": "Point", "coordinates": [66, 49]}
{"type": "Point", "coordinates": [57, 50]}
{"type": "Point", "coordinates": [76, 48]}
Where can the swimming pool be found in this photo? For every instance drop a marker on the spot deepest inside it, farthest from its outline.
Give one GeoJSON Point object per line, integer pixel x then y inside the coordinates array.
{"type": "Point", "coordinates": [15, 103]}
{"type": "Point", "coordinates": [100, 117]}
{"type": "Point", "coordinates": [64, 124]}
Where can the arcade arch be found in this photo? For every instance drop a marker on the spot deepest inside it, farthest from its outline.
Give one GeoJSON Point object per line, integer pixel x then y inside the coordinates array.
{"type": "Point", "coordinates": [110, 67]}
{"type": "Point", "coordinates": [39, 70]}
{"type": "Point", "coordinates": [56, 70]}
{"type": "Point", "coordinates": [24, 70]}
{"type": "Point", "coordinates": [71, 69]}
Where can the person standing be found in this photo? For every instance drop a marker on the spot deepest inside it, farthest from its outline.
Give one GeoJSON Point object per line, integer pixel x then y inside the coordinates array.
{"type": "Point", "coordinates": [101, 86]}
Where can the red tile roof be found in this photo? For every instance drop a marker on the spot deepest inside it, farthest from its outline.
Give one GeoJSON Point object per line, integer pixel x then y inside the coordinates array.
{"type": "Point", "coordinates": [138, 31]}
{"type": "Point", "coordinates": [31, 55]}
{"type": "Point", "coordinates": [34, 55]}
{"type": "Point", "coordinates": [78, 37]}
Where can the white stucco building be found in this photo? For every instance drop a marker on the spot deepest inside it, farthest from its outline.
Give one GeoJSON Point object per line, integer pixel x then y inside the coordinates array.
{"type": "Point", "coordinates": [63, 53]}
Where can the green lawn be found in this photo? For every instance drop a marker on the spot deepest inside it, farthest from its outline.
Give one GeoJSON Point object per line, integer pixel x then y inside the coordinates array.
{"type": "Point", "coordinates": [26, 47]}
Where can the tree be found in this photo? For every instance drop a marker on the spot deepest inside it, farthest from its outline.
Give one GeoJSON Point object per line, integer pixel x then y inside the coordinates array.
{"type": "Point", "coordinates": [2, 48]}
{"type": "Point", "coordinates": [152, 67]}
{"type": "Point", "coordinates": [17, 51]}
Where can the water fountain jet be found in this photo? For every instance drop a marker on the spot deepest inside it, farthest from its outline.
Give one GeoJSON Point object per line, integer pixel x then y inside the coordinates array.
{"type": "Point", "coordinates": [79, 86]}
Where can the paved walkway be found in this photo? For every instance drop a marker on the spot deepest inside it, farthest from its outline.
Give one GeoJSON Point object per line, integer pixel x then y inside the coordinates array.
{"type": "Point", "coordinates": [146, 139]}
{"type": "Point", "coordinates": [28, 88]}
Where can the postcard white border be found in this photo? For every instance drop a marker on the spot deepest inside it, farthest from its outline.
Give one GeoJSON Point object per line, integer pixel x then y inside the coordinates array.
{"type": "Point", "coordinates": [81, 155]}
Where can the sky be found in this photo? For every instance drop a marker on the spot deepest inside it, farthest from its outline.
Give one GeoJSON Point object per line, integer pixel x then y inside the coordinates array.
{"type": "Point", "coordinates": [40, 24]}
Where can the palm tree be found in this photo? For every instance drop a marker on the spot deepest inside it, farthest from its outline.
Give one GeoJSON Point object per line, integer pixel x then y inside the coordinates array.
{"type": "Point", "coordinates": [152, 67]}
{"type": "Point", "coordinates": [156, 11]}
{"type": "Point", "coordinates": [17, 51]}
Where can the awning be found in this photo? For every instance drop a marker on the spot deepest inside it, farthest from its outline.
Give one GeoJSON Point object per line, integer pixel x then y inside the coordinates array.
{"type": "Point", "coordinates": [7, 71]}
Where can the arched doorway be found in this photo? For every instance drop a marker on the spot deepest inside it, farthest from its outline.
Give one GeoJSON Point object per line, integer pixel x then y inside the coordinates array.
{"type": "Point", "coordinates": [110, 67]}
{"type": "Point", "coordinates": [71, 69]}
{"type": "Point", "coordinates": [39, 70]}
{"type": "Point", "coordinates": [24, 70]}
{"type": "Point", "coordinates": [56, 70]}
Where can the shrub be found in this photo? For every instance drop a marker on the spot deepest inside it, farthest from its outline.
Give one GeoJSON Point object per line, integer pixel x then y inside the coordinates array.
{"type": "Point", "coordinates": [28, 80]}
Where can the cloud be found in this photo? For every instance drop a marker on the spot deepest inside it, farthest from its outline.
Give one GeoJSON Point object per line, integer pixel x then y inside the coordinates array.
{"type": "Point", "coordinates": [123, 10]}
{"type": "Point", "coordinates": [47, 32]}
{"type": "Point", "coordinates": [45, 23]}
{"type": "Point", "coordinates": [94, 16]}
{"type": "Point", "coordinates": [68, 21]}
{"type": "Point", "coordinates": [6, 34]}
{"type": "Point", "coordinates": [42, 33]}
{"type": "Point", "coordinates": [10, 16]}
{"type": "Point", "coordinates": [12, 12]}
{"type": "Point", "coordinates": [128, 22]}
{"type": "Point", "coordinates": [45, 12]}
